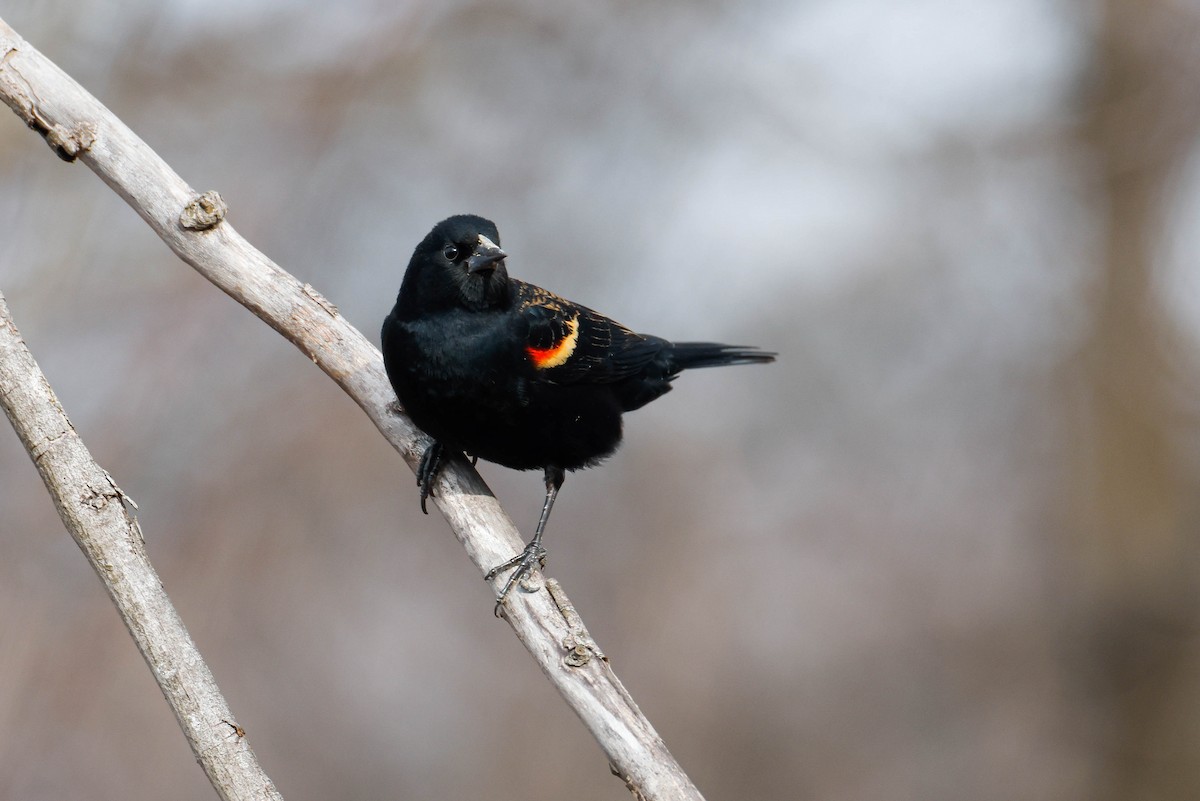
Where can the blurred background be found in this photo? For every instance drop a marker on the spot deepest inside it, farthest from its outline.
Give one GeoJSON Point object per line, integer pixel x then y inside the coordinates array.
{"type": "Point", "coordinates": [945, 548]}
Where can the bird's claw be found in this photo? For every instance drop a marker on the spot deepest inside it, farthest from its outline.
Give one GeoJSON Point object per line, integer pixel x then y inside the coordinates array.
{"type": "Point", "coordinates": [524, 562]}
{"type": "Point", "coordinates": [427, 471]}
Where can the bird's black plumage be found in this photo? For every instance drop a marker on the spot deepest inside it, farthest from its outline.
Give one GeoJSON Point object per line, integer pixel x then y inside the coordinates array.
{"type": "Point", "coordinates": [508, 372]}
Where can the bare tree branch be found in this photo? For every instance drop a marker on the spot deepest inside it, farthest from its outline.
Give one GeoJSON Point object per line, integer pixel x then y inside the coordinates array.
{"type": "Point", "coordinates": [77, 126]}
{"type": "Point", "coordinates": [96, 513]}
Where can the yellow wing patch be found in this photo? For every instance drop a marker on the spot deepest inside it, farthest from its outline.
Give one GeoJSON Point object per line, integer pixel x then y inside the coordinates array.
{"type": "Point", "coordinates": [557, 354]}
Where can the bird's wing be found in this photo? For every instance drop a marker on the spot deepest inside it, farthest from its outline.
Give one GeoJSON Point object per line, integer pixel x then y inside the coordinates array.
{"type": "Point", "coordinates": [567, 343]}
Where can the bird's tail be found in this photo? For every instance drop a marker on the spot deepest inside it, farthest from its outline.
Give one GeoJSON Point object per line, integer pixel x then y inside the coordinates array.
{"type": "Point", "coordinates": [686, 355]}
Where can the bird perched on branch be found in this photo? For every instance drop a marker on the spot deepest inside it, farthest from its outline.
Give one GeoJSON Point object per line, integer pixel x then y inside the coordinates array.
{"type": "Point", "coordinates": [508, 372]}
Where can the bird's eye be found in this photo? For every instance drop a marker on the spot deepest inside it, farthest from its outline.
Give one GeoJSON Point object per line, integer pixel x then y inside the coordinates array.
{"type": "Point", "coordinates": [450, 252]}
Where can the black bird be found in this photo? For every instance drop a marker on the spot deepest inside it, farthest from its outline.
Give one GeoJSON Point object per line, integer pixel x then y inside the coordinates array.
{"type": "Point", "coordinates": [508, 372]}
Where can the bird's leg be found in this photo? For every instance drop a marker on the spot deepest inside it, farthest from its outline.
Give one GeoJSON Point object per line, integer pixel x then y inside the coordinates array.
{"type": "Point", "coordinates": [534, 552]}
{"type": "Point", "coordinates": [427, 471]}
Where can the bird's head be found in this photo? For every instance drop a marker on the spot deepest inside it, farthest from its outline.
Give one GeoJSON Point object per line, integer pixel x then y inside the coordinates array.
{"type": "Point", "coordinates": [459, 263]}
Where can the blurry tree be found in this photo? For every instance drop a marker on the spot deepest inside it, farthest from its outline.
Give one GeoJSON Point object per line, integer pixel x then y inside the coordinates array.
{"type": "Point", "coordinates": [1136, 521]}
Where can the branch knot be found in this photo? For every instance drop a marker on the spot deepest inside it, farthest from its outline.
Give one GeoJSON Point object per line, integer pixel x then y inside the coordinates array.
{"type": "Point", "coordinates": [66, 143]}
{"type": "Point", "coordinates": [203, 212]}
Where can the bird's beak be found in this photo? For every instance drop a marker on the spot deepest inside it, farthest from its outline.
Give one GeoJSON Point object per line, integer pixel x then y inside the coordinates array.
{"type": "Point", "coordinates": [486, 254]}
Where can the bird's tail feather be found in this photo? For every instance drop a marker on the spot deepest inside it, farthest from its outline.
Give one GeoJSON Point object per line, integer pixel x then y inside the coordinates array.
{"type": "Point", "coordinates": [686, 355]}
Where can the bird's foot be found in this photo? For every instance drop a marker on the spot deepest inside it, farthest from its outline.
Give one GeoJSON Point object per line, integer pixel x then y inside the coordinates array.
{"type": "Point", "coordinates": [533, 555]}
{"type": "Point", "coordinates": [427, 471]}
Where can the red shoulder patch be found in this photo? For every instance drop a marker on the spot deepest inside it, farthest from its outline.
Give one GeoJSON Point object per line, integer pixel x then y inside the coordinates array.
{"type": "Point", "coordinates": [559, 352]}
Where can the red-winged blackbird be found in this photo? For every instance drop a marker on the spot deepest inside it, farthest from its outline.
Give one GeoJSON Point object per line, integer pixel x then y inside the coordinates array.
{"type": "Point", "coordinates": [508, 372]}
